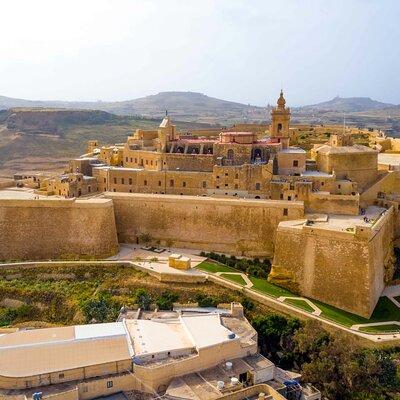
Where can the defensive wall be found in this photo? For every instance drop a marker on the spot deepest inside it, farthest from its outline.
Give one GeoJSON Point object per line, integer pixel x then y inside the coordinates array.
{"type": "Point", "coordinates": [33, 229]}
{"type": "Point", "coordinates": [234, 226]}
{"type": "Point", "coordinates": [347, 269]}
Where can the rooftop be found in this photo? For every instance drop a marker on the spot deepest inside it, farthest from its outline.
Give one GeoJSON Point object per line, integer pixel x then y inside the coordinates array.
{"type": "Point", "coordinates": [355, 149]}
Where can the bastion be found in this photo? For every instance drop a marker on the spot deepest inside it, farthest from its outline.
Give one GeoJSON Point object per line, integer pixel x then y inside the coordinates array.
{"type": "Point", "coordinates": [340, 260]}
{"type": "Point", "coordinates": [39, 229]}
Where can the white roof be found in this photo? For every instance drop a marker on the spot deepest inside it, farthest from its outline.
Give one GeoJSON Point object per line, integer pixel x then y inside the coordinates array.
{"type": "Point", "coordinates": [157, 336]}
{"type": "Point", "coordinates": [99, 330]}
{"type": "Point", "coordinates": [206, 330]}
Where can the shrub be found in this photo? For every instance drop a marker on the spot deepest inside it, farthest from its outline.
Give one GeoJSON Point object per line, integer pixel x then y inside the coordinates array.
{"type": "Point", "coordinates": [142, 298]}
{"type": "Point", "coordinates": [207, 301]}
{"type": "Point", "coordinates": [166, 300]}
{"type": "Point", "coordinates": [101, 309]}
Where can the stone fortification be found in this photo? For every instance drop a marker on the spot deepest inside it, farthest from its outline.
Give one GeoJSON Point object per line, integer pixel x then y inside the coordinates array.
{"type": "Point", "coordinates": [345, 268]}
{"type": "Point", "coordinates": [241, 227]}
{"type": "Point", "coordinates": [43, 229]}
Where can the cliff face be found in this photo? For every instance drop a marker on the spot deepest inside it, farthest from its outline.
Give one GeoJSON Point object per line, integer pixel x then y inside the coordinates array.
{"type": "Point", "coordinates": [42, 120]}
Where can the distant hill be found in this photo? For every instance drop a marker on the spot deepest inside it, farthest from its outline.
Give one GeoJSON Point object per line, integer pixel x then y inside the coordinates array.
{"type": "Point", "coordinates": [346, 104]}
{"type": "Point", "coordinates": [184, 106]}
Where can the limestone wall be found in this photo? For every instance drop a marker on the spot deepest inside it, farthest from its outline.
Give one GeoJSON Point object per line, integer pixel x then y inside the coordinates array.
{"type": "Point", "coordinates": [49, 229]}
{"type": "Point", "coordinates": [344, 269]}
{"type": "Point", "coordinates": [226, 225]}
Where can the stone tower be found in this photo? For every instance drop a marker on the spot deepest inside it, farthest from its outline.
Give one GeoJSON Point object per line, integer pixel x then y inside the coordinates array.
{"type": "Point", "coordinates": [280, 120]}
{"type": "Point", "coordinates": [166, 133]}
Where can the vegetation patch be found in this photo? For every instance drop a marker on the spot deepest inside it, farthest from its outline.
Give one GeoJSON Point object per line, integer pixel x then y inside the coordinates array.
{"type": "Point", "coordinates": [299, 304]}
{"type": "Point", "coordinates": [390, 328]}
{"type": "Point", "coordinates": [234, 278]}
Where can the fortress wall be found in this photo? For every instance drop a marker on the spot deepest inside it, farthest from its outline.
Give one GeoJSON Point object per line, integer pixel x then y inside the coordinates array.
{"type": "Point", "coordinates": [333, 204]}
{"type": "Point", "coordinates": [46, 229]}
{"type": "Point", "coordinates": [214, 224]}
{"type": "Point", "coordinates": [344, 269]}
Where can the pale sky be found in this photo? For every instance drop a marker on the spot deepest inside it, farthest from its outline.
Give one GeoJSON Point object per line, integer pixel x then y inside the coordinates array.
{"type": "Point", "coordinates": [239, 50]}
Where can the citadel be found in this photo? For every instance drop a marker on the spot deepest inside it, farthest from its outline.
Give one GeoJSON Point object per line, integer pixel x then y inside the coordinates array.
{"type": "Point", "coordinates": [327, 217]}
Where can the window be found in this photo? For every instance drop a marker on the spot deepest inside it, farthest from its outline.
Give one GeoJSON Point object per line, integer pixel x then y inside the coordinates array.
{"type": "Point", "coordinates": [159, 183]}
{"type": "Point", "coordinates": [204, 184]}
{"type": "Point", "coordinates": [285, 211]}
{"type": "Point", "coordinates": [147, 162]}
{"type": "Point", "coordinates": [295, 163]}
{"type": "Point", "coordinates": [171, 182]}
{"type": "Point", "coordinates": [115, 190]}
{"type": "Point", "coordinates": [217, 176]}
{"type": "Point", "coordinates": [126, 159]}
{"type": "Point", "coordinates": [115, 180]}
{"type": "Point", "coordinates": [236, 176]}
{"type": "Point", "coordinates": [226, 185]}
{"type": "Point", "coordinates": [217, 187]}
{"type": "Point", "coordinates": [226, 174]}
{"type": "Point", "coordinates": [258, 186]}
{"type": "Point", "coordinates": [281, 196]}
{"type": "Point", "coordinates": [61, 376]}
{"type": "Point", "coordinates": [130, 190]}
{"type": "Point", "coordinates": [89, 189]}
{"type": "Point", "coordinates": [135, 160]}
{"type": "Point", "coordinates": [322, 183]}
{"type": "Point", "coordinates": [130, 181]}
{"type": "Point", "coordinates": [151, 162]}
{"type": "Point", "coordinates": [131, 159]}
{"type": "Point", "coordinates": [289, 198]}
{"type": "Point", "coordinates": [236, 186]}
{"type": "Point", "coordinates": [145, 182]}
{"type": "Point", "coordinates": [339, 186]}
{"type": "Point", "coordinates": [110, 384]}
{"type": "Point", "coordinates": [184, 184]}
{"type": "Point", "coordinates": [105, 180]}
{"type": "Point", "coordinates": [230, 154]}
{"type": "Point", "coordinates": [122, 181]}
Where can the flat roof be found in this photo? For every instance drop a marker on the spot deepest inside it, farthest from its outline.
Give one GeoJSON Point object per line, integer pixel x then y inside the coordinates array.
{"type": "Point", "coordinates": [39, 351]}
{"type": "Point", "coordinates": [355, 149]}
{"type": "Point", "coordinates": [296, 150]}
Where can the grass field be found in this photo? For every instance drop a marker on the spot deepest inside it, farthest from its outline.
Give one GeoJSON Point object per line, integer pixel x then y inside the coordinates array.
{"type": "Point", "coordinates": [392, 328]}
{"type": "Point", "coordinates": [300, 304]}
{"type": "Point", "coordinates": [385, 310]}
{"type": "Point", "coordinates": [234, 278]}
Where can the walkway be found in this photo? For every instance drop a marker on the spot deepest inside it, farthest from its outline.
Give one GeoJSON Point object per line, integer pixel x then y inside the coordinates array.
{"type": "Point", "coordinates": [249, 283]}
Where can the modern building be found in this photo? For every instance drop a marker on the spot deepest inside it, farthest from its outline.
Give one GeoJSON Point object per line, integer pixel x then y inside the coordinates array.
{"type": "Point", "coordinates": [195, 353]}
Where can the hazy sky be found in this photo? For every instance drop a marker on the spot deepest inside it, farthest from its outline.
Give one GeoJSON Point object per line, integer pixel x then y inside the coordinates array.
{"type": "Point", "coordinates": [231, 49]}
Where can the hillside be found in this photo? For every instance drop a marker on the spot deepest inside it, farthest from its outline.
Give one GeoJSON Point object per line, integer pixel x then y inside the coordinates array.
{"type": "Point", "coordinates": [346, 104]}
{"type": "Point", "coordinates": [184, 106]}
{"type": "Point", "coordinates": [45, 139]}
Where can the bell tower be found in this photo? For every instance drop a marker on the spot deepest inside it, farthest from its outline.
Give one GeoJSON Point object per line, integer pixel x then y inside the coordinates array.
{"type": "Point", "coordinates": [280, 120]}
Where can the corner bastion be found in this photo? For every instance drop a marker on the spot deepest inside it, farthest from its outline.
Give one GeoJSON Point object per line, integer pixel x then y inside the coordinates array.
{"type": "Point", "coordinates": [39, 229]}
{"type": "Point", "coordinates": [343, 261]}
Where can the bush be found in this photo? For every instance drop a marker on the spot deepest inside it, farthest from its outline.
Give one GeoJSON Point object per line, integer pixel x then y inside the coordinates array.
{"type": "Point", "coordinates": [166, 300]}
{"type": "Point", "coordinates": [142, 298]}
{"type": "Point", "coordinates": [207, 301]}
{"type": "Point", "coordinates": [101, 309]}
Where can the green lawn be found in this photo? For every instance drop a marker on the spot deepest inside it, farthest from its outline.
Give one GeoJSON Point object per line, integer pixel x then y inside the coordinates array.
{"type": "Point", "coordinates": [234, 278]}
{"type": "Point", "coordinates": [385, 310]}
{"type": "Point", "coordinates": [300, 304]}
{"type": "Point", "coordinates": [262, 285]}
{"type": "Point", "coordinates": [214, 267]}
{"type": "Point", "coordinates": [381, 328]}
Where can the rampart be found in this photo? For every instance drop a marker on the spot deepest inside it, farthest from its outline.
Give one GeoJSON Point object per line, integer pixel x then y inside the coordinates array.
{"type": "Point", "coordinates": [234, 226]}
{"type": "Point", "coordinates": [347, 269]}
{"type": "Point", "coordinates": [50, 229]}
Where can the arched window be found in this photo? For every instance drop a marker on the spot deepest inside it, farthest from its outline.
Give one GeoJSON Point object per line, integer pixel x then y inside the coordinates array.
{"type": "Point", "coordinates": [279, 127]}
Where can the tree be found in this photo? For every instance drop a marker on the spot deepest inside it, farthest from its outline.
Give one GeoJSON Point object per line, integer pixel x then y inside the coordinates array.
{"type": "Point", "coordinates": [207, 301]}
